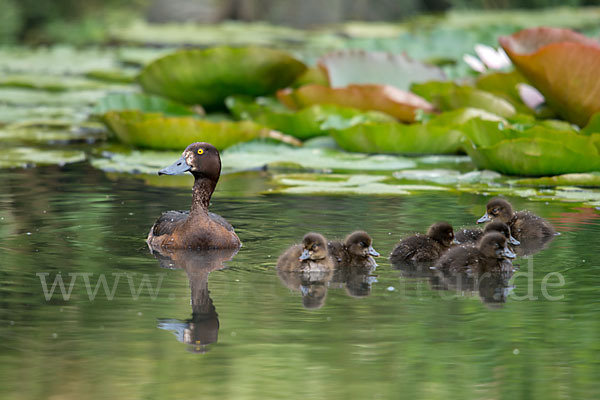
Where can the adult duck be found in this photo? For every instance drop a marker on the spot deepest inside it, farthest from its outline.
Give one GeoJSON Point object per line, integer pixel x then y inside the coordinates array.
{"type": "Point", "coordinates": [197, 228]}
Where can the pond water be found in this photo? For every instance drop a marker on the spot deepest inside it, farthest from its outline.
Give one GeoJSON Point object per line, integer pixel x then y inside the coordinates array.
{"type": "Point", "coordinates": [389, 335]}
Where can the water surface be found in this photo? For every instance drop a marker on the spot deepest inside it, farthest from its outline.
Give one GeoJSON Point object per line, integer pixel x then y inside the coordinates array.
{"type": "Point", "coordinates": [398, 338]}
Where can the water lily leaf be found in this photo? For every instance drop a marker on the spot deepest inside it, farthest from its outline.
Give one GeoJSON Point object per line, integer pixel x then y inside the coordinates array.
{"type": "Point", "coordinates": [14, 113]}
{"type": "Point", "coordinates": [345, 184]}
{"type": "Point", "coordinates": [26, 97]}
{"type": "Point", "coordinates": [255, 155]}
{"type": "Point", "coordinates": [306, 123]}
{"type": "Point", "coordinates": [49, 83]}
{"type": "Point", "coordinates": [593, 125]}
{"type": "Point", "coordinates": [449, 96]}
{"type": "Point", "coordinates": [52, 132]}
{"type": "Point", "coordinates": [312, 75]}
{"type": "Point", "coordinates": [156, 131]}
{"type": "Point", "coordinates": [447, 176]}
{"type": "Point", "coordinates": [550, 58]}
{"type": "Point", "coordinates": [348, 67]}
{"type": "Point", "coordinates": [387, 99]}
{"type": "Point", "coordinates": [537, 150]}
{"type": "Point", "coordinates": [113, 75]}
{"type": "Point", "coordinates": [26, 157]}
{"type": "Point", "coordinates": [439, 135]}
{"type": "Point", "coordinates": [141, 102]}
{"type": "Point", "coordinates": [208, 76]}
{"type": "Point", "coordinates": [591, 179]}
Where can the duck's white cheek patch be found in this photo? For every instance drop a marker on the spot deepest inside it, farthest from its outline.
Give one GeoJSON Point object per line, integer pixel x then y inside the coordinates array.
{"type": "Point", "coordinates": [189, 158]}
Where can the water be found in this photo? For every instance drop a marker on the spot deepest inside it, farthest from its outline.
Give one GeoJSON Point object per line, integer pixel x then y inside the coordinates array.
{"type": "Point", "coordinates": [400, 338]}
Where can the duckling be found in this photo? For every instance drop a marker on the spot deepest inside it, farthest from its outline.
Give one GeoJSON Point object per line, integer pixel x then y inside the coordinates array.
{"type": "Point", "coordinates": [523, 224]}
{"type": "Point", "coordinates": [311, 255]}
{"type": "Point", "coordinates": [355, 251]}
{"type": "Point", "coordinates": [472, 236]}
{"type": "Point", "coordinates": [424, 248]}
{"type": "Point", "coordinates": [197, 228]}
{"type": "Point", "coordinates": [490, 254]}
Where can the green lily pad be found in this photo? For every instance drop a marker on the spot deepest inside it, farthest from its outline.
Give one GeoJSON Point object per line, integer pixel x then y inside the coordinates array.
{"type": "Point", "coordinates": [76, 99]}
{"type": "Point", "coordinates": [208, 76]}
{"type": "Point", "coordinates": [13, 113]}
{"type": "Point", "coordinates": [112, 75]}
{"type": "Point", "coordinates": [447, 176]}
{"type": "Point", "coordinates": [346, 67]}
{"type": "Point", "coordinates": [306, 123]}
{"type": "Point", "coordinates": [387, 99]}
{"type": "Point", "coordinates": [26, 157]}
{"type": "Point", "coordinates": [537, 150]}
{"type": "Point", "coordinates": [49, 83]}
{"type": "Point", "coordinates": [449, 96]}
{"type": "Point", "coordinates": [591, 179]}
{"type": "Point", "coordinates": [255, 155]}
{"type": "Point", "coordinates": [344, 185]}
{"type": "Point", "coordinates": [51, 132]}
{"type": "Point", "coordinates": [156, 131]}
{"type": "Point", "coordinates": [141, 102]}
{"type": "Point", "coordinates": [439, 135]}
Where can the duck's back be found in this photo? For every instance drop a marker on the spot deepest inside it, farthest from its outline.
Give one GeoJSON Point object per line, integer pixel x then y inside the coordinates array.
{"type": "Point", "coordinates": [460, 259]}
{"type": "Point", "coordinates": [290, 259]}
{"type": "Point", "coordinates": [175, 229]}
{"type": "Point", "coordinates": [527, 225]}
{"type": "Point", "coordinates": [464, 236]}
{"type": "Point", "coordinates": [416, 249]}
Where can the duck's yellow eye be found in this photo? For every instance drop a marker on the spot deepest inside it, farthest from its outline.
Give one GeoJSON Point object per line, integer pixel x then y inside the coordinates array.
{"type": "Point", "coordinates": [200, 151]}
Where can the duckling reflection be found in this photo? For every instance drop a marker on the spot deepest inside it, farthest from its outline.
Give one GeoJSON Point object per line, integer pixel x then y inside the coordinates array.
{"type": "Point", "coordinates": [312, 285]}
{"type": "Point", "coordinates": [203, 328]}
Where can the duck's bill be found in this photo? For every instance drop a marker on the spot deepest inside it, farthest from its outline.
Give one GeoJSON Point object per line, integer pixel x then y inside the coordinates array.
{"type": "Point", "coordinates": [454, 242]}
{"type": "Point", "coordinates": [373, 252]}
{"type": "Point", "coordinates": [513, 241]}
{"type": "Point", "coordinates": [304, 256]}
{"type": "Point", "coordinates": [178, 167]}
{"type": "Point", "coordinates": [485, 218]}
{"type": "Point", "coordinates": [507, 253]}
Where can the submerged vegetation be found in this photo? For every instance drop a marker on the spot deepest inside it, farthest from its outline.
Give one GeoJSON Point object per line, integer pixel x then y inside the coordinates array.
{"type": "Point", "coordinates": [517, 115]}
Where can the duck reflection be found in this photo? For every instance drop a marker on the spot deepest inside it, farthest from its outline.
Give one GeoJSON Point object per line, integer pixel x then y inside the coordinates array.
{"type": "Point", "coordinates": [203, 328]}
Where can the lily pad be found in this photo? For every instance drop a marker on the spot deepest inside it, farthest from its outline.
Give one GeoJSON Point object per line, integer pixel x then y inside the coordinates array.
{"type": "Point", "coordinates": [449, 96]}
{"type": "Point", "coordinates": [112, 75]}
{"type": "Point", "coordinates": [49, 83]}
{"type": "Point", "coordinates": [26, 157]}
{"type": "Point", "coordinates": [550, 58]}
{"type": "Point", "coordinates": [591, 179]}
{"type": "Point", "coordinates": [344, 185]}
{"type": "Point", "coordinates": [52, 132]}
{"type": "Point", "coordinates": [141, 102]}
{"type": "Point", "coordinates": [348, 67]}
{"type": "Point", "coordinates": [306, 123]}
{"type": "Point", "coordinates": [387, 99]}
{"type": "Point", "coordinates": [447, 176]}
{"type": "Point", "coordinates": [537, 150]}
{"type": "Point", "coordinates": [256, 155]}
{"type": "Point", "coordinates": [440, 135]}
{"type": "Point", "coordinates": [208, 76]}
{"type": "Point", "coordinates": [156, 131]}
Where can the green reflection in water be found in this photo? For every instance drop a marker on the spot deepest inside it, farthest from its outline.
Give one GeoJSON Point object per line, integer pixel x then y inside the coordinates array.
{"type": "Point", "coordinates": [410, 342]}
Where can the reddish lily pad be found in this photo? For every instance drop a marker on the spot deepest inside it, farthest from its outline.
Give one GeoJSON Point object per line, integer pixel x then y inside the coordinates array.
{"type": "Point", "coordinates": [387, 99]}
{"type": "Point", "coordinates": [563, 65]}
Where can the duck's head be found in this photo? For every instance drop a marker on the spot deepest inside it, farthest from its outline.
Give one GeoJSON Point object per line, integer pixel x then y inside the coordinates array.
{"type": "Point", "coordinates": [497, 209]}
{"type": "Point", "coordinates": [501, 227]}
{"type": "Point", "coordinates": [493, 245]}
{"type": "Point", "coordinates": [200, 158]}
{"type": "Point", "coordinates": [360, 244]}
{"type": "Point", "coordinates": [442, 232]}
{"type": "Point", "coordinates": [314, 247]}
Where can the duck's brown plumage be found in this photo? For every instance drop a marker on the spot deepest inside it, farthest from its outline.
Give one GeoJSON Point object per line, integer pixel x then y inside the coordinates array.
{"type": "Point", "coordinates": [472, 236]}
{"type": "Point", "coordinates": [490, 254]}
{"type": "Point", "coordinates": [310, 255]}
{"type": "Point", "coordinates": [424, 248]}
{"type": "Point", "coordinates": [355, 251]}
{"type": "Point", "coordinates": [523, 224]}
{"type": "Point", "coordinates": [197, 228]}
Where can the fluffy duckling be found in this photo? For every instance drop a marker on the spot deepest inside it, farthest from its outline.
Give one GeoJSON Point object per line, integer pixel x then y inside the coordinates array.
{"type": "Point", "coordinates": [424, 248]}
{"type": "Point", "coordinates": [490, 254]}
{"type": "Point", "coordinates": [355, 251]}
{"type": "Point", "coordinates": [523, 224]}
{"type": "Point", "coordinates": [310, 255]}
{"type": "Point", "coordinates": [472, 236]}
{"type": "Point", "coordinates": [197, 228]}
